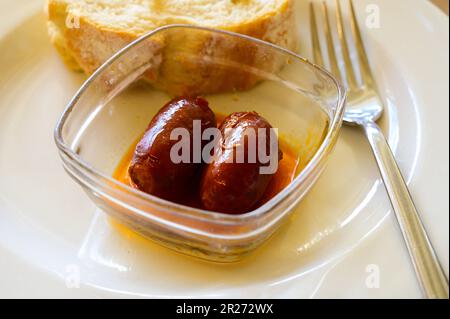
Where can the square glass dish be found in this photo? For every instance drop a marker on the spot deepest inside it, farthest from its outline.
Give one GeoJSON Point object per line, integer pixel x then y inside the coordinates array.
{"type": "Point", "coordinates": [234, 73]}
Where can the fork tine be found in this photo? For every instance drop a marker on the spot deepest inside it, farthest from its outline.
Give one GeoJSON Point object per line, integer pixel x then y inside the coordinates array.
{"type": "Point", "coordinates": [330, 43]}
{"type": "Point", "coordinates": [352, 84]}
{"type": "Point", "coordinates": [366, 72]}
{"type": "Point", "coordinates": [318, 58]}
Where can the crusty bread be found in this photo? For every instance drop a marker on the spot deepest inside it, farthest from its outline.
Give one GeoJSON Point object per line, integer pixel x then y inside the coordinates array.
{"type": "Point", "coordinates": [88, 32]}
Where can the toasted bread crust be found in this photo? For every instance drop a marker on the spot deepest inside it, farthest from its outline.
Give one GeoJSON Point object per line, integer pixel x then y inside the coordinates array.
{"type": "Point", "coordinates": [85, 44]}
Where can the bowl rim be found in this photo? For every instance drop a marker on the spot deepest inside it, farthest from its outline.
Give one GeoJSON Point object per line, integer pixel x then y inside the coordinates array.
{"type": "Point", "coordinates": [84, 167]}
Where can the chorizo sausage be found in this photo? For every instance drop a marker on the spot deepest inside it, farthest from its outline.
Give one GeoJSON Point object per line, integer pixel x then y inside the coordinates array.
{"type": "Point", "coordinates": [233, 183]}
{"type": "Point", "coordinates": [152, 168]}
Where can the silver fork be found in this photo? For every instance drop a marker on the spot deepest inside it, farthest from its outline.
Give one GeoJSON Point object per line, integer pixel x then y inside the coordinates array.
{"type": "Point", "coordinates": [364, 108]}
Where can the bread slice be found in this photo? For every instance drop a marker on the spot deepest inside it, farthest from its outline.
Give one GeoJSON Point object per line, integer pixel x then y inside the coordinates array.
{"type": "Point", "coordinates": [87, 32]}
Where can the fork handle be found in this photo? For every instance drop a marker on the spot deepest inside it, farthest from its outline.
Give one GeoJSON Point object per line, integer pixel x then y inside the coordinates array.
{"type": "Point", "coordinates": [431, 276]}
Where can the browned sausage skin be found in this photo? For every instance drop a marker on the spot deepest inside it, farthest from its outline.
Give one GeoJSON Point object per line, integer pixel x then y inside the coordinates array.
{"type": "Point", "coordinates": [152, 170]}
{"type": "Point", "coordinates": [232, 186]}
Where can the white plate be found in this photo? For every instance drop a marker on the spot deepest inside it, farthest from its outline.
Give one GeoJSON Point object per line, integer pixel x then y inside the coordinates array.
{"type": "Point", "coordinates": [54, 243]}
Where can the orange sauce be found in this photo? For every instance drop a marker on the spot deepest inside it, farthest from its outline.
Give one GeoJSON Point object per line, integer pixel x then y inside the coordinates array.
{"type": "Point", "coordinates": [288, 168]}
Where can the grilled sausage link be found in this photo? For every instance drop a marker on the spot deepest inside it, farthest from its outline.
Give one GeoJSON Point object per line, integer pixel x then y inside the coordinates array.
{"type": "Point", "coordinates": [152, 169]}
{"type": "Point", "coordinates": [233, 182]}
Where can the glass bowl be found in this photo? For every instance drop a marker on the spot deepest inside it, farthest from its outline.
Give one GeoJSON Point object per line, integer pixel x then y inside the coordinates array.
{"type": "Point", "coordinates": [234, 73]}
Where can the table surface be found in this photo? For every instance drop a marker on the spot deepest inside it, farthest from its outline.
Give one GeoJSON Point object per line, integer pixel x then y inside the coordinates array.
{"type": "Point", "coordinates": [443, 4]}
